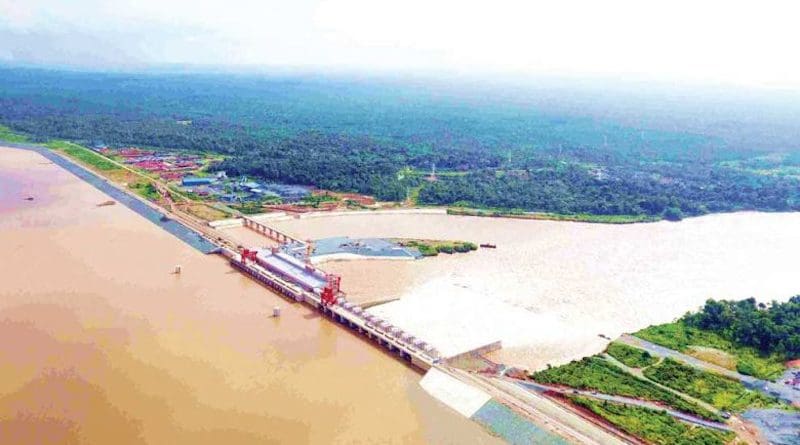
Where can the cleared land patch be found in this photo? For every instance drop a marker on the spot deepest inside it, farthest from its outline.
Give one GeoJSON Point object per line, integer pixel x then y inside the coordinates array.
{"type": "Point", "coordinates": [712, 355]}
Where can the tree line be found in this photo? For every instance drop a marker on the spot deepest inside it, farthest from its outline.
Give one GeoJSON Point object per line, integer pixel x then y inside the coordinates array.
{"type": "Point", "coordinates": [362, 138]}
{"type": "Point", "coordinates": [769, 328]}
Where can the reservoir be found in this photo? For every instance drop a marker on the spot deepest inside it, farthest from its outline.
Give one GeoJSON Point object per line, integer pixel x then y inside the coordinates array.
{"type": "Point", "coordinates": [550, 288]}
{"type": "Point", "coordinates": [103, 343]}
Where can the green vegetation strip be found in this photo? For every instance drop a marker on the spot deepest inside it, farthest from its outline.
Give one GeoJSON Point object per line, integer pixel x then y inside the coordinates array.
{"type": "Point", "coordinates": [146, 190]}
{"type": "Point", "coordinates": [656, 427]}
{"type": "Point", "coordinates": [581, 217]}
{"type": "Point", "coordinates": [315, 200]}
{"type": "Point", "coordinates": [595, 373]}
{"type": "Point", "coordinates": [630, 356]}
{"type": "Point", "coordinates": [433, 248]}
{"type": "Point", "coordinates": [6, 134]}
{"type": "Point", "coordinates": [719, 391]}
{"type": "Point", "coordinates": [248, 207]}
{"type": "Point", "coordinates": [83, 154]}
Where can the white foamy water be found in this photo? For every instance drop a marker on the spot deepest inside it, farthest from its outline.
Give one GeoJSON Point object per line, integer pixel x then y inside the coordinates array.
{"type": "Point", "coordinates": [477, 320]}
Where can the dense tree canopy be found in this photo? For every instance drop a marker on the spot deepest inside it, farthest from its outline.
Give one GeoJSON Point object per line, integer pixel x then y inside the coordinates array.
{"type": "Point", "coordinates": [773, 328]}
{"type": "Point", "coordinates": [380, 138]}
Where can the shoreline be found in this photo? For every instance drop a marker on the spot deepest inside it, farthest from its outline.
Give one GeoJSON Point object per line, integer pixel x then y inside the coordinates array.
{"type": "Point", "coordinates": [424, 209]}
{"type": "Point", "coordinates": [543, 216]}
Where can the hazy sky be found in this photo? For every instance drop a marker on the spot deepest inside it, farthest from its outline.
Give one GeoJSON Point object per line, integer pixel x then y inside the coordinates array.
{"type": "Point", "coordinates": [730, 41]}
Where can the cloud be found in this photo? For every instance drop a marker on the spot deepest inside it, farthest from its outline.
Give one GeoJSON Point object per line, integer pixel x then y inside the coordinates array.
{"type": "Point", "coordinates": [719, 40]}
{"type": "Point", "coordinates": [711, 39]}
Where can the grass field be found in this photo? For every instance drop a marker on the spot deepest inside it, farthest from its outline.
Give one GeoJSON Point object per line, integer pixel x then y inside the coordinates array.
{"type": "Point", "coordinates": [719, 391]}
{"type": "Point", "coordinates": [630, 356]}
{"type": "Point", "coordinates": [75, 151]}
{"type": "Point", "coordinates": [680, 337]}
{"type": "Point", "coordinates": [146, 190]}
{"type": "Point", "coordinates": [595, 373]}
{"type": "Point", "coordinates": [84, 155]}
{"type": "Point", "coordinates": [205, 212]}
{"type": "Point", "coordinates": [655, 427]}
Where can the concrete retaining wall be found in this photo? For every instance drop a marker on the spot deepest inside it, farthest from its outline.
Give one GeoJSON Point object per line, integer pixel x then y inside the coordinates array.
{"type": "Point", "coordinates": [352, 256]}
{"type": "Point", "coordinates": [226, 223]}
{"type": "Point", "coordinates": [272, 216]}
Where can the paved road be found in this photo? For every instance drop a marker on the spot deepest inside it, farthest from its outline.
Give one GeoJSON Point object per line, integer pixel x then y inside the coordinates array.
{"type": "Point", "coordinates": [624, 400]}
{"type": "Point", "coordinates": [779, 390]}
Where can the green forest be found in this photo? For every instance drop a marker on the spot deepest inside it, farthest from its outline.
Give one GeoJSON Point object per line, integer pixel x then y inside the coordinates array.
{"type": "Point", "coordinates": [768, 328]}
{"type": "Point", "coordinates": [758, 337]}
{"type": "Point", "coordinates": [382, 137]}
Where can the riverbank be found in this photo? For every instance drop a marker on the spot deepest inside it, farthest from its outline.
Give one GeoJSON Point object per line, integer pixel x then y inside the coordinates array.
{"type": "Point", "coordinates": [112, 169]}
{"type": "Point", "coordinates": [127, 352]}
{"type": "Point", "coordinates": [541, 216]}
{"type": "Point", "coordinates": [142, 208]}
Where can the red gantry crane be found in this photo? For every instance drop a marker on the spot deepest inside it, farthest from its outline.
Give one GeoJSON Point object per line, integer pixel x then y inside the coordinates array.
{"type": "Point", "coordinates": [331, 290]}
{"type": "Point", "coordinates": [248, 254]}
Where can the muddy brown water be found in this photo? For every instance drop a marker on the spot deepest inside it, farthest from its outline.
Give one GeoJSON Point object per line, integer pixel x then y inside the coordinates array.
{"type": "Point", "coordinates": [551, 288]}
{"type": "Point", "coordinates": [101, 343]}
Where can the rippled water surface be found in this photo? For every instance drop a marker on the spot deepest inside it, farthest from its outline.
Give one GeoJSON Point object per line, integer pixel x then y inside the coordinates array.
{"type": "Point", "coordinates": [550, 288]}
{"type": "Point", "coordinates": [101, 343]}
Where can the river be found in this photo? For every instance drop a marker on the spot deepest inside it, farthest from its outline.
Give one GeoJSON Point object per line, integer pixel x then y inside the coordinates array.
{"type": "Point", "coordinates": [102, 343]}
{"type": "Point", "coordinates": [551, 288]}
